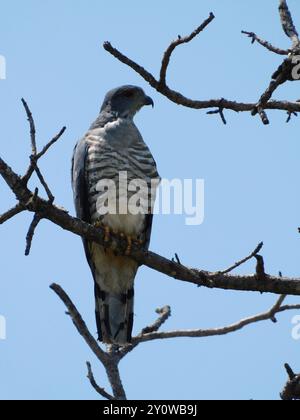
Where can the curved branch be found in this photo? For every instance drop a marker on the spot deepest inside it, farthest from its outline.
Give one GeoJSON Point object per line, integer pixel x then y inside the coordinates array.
{"type": "Point", "coordinates": [265, 44]}
{"type": "Point", "coordinates": [160, 85]}
{"type": "Point", "coordinates": [269, 315]}
{"type": "Point", "coordinates": [180, 41]}
{"type": "Point", "coordinates": [109, 361]}
{"type": "Point", "coordinates": [97, 388]}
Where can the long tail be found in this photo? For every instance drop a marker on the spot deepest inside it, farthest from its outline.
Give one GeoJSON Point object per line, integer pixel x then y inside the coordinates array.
{"type": "Point", "coordinates": [114, 316]}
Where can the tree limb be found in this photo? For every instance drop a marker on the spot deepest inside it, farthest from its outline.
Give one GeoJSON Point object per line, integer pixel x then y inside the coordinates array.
{"type": "Point", "coordinates": [109, 361]}
{"type": "Point", "coordinates": [271, 284]}
{"type": "Point", "coordinates": [269, 315]}
{"type": "Point", "coordinates": [11, 213]}
{"type": "Point", "coordinates": [161, 86]}
{"type": "Point", "coordinates": [265, 44]}
{"type": "Point", "coordinates": [291, 390]}
{"type": "Point", "coordinates": [98, 389]}
{"type": "Point", "coordinates": [288, 24]}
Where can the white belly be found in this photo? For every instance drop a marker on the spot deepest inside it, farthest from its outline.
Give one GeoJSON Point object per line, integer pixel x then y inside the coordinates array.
{"type": "Point", "coordinates": [129, 224]}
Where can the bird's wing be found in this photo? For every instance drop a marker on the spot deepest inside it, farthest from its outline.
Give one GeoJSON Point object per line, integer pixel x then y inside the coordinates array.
{"type": "Point", "coordinates": [80, 190]}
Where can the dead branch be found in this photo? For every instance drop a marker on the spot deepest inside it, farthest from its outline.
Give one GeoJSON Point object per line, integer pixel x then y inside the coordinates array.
{"type": "Point", "coordinates": [29, 237]}
{"type": "Point", "coordinates": [291, 390]}
{"type": "Point", "coordinates": [244, 260]}
{"type": "Point", "coordinates": [109, 361]}
{"type": "Point", "coordinates": [112, 357]}
{"type": "Point", "coordinates": [271, 284]}
{"type": "Point", "coordinates": [11, 213]}
{"type": "Point", "coordinates": [288, 24]}
{"type": "Point", "coordinates": [97, 388]}
{"type": "Point", "coordinates": [259, 108]}
{"type": "Point", "coordinates": [269, 315]}
{"type": "Point", "coordinates": [265, 44]}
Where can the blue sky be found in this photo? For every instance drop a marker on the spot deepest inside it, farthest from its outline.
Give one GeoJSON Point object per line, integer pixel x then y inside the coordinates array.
{"type": "Point", "coordinates": [55, 60]}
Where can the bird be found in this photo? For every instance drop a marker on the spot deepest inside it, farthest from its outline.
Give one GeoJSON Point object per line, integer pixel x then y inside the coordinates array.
{"type": "Point", "coordinates": [112, 146]}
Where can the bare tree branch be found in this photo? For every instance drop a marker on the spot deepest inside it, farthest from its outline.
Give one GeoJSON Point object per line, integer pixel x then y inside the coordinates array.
{"type": "Point", "coordinates": [115, 354]}
{"type": "Point", "coordinates": [51, 143]}
{"type": "Point", "coordinates": [176, 43]}
{"type": "Point", "coordinates": [269, 315]}
{"type": "Point", "coordinates": [288, 24]}
{"type": "Point", "coordinates": [32, 127]}
{"type": "Point", "coordinates": [160, 85]}
{"type": "Point", "coordinates": [271, 284]}
{"type": "Point", "coordinates": [265, 44]}
{"type": "Point", "coordinates": [109, 361]}
{"type": "Point", "coordinates": [29, 237]}
{"type": "Point", "coordinates": [164, 314]}
{"type": "Point", "coordinates": [98, 389]}
{"type": "Point", "coordinates": [11, 213]}
{"type": "Point", "coordinates": [292, 388]}
{"type": "Point", "coordinates": [244, 260]}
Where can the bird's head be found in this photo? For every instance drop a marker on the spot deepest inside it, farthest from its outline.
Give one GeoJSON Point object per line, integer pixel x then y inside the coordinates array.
{"type": "Point", "coordinates": [125, 101]}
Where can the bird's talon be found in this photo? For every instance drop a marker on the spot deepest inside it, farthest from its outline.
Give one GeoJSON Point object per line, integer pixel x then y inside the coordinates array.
{"type": "Point", "coordinates": [129, 245]}
{"type": "Point", "coordinates": [106, 234]}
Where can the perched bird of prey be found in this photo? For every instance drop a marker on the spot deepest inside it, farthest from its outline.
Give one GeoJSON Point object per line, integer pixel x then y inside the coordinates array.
{"type": "Point", "coordinates": [113, 146]}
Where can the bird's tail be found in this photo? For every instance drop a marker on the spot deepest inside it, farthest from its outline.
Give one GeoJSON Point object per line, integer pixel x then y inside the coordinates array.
{"type": "Point", "coordinates": [114, 316]}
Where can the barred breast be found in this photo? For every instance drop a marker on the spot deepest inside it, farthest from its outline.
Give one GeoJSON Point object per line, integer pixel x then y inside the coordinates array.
{"type": "Point", "coordinates": [118, 148]}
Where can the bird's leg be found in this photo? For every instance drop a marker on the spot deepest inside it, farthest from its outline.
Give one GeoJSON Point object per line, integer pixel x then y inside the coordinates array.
{"type": "Point", "coordinates": [129, 245]}
{"type": "Point", "coordinates": [106, 229]}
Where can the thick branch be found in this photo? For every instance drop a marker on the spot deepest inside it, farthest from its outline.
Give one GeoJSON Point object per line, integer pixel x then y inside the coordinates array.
{"type": "Point", "coordinates": [176, 97]}
{"type": "Point", "coordinates": [180, 99]}
{"type": "Point", "coordinates": [271, 284]}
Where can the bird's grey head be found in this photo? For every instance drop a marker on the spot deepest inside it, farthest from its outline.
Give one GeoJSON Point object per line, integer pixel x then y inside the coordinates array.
{"type": "Point", "coordinates": [125, 101]}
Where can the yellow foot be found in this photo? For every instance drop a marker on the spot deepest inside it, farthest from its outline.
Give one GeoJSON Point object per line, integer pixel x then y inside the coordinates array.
{"type": "Point", "coordinates": [129, 245]}
{"type": "Point", "coordinates": [106, 229]}
{"type": "Point", "coordinates": [106, 234]}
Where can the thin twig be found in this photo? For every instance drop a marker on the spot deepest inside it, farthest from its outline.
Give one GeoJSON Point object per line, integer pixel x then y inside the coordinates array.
{"type": "Point", "coordinates": [44, 184]}
{"type": "Point", "coordinates": [265, 44]}
{"type": "Point", "coordinates": [11, 213]}
{"type": "Point", "coordinates": [29, 237]}
{"type": "Point", "coordinates": [164, 314]}
{"type": "Point", "coordinates": [98, 389]}
{"type": "Point", "coordinates": [220, 112]}
{"type": "Point", "coordinates": [176, 43]}
{"type": "Point", "coordinates": [32, 127]}
{"type": "Point", "coordinates": [217, 331]}
{"type": "Point", "coordinates": [244, 260]}
{"type": "Point", "coordinates": [51, 143]}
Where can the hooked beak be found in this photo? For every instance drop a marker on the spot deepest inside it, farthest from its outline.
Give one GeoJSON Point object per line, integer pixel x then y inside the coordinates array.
{"type": "Point", "coordinates": [149, 101]}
